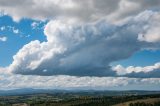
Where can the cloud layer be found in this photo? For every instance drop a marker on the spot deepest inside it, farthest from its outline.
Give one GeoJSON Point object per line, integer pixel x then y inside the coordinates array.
{"type": "Point", "coordinates": [71, 10]}
{"type": "Point", "coordinates": [87, 49]}
{"type": "Point", "coordinates": [13, 81]}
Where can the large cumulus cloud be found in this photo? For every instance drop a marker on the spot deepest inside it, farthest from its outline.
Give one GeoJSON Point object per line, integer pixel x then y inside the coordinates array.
{"type": "Point", "coordinates": [86, 49]}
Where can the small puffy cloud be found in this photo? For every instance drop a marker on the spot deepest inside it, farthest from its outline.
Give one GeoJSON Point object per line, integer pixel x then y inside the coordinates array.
{"type": "Point", "coordinates": [3, 39]}
{"type": "Point", "coordinates": [83, 50]}
{"type": "Point", "coordinates": [35, 25]}
{"type": "Point", "coordinates": [15, 31]}
{"type": "Point", "coordinates": [132, 71]}
{"type": "Point", "coordinates": [2, 28]}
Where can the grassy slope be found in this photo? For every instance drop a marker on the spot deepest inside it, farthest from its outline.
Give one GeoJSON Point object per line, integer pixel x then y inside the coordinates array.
{"type": "Point", "coordinates": [150, 100]}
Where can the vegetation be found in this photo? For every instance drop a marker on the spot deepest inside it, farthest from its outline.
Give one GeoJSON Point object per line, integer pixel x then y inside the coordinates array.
{"type": "Point", "coordinates": [80, 100]}
{"type": "Point", "coordinates": [141, 102]}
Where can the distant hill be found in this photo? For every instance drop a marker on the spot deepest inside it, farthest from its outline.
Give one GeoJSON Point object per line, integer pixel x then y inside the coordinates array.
{"type": "Point", "coordinates": [79, 92]}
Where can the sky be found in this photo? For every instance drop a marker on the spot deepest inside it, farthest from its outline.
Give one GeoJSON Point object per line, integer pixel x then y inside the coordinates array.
{"type": "Point", "coordinates": [108, 45]}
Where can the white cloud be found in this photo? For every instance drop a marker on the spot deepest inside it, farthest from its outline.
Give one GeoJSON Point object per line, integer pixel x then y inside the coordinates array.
{"type": "Point", "coordinates": [16, 31]}
{"type": "Point", "coordinates": [35, 25]}
{"type": "Point", "coordinates": [131, 69]}
{"type": "Point", "coordinates": [3, 39]}
{"type": "Point", "coordinates": [2, 28]}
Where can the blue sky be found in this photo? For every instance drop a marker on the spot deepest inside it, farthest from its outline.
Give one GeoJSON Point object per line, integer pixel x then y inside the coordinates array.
{"type": "Point", "coordinates": [15, 41]}
{"type": "Point", "coordinates": [109, 43]}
